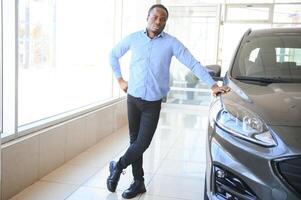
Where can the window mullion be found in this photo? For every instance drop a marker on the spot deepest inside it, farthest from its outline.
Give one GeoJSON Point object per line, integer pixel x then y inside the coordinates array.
{"type": "Point", "coordinates": [10, 70]}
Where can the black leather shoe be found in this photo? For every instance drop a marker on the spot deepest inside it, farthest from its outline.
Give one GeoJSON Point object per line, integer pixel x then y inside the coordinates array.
{"type": "Point", "coordinates": [136, 188]}
{"type": "Point", "coordinates": [114, 176]}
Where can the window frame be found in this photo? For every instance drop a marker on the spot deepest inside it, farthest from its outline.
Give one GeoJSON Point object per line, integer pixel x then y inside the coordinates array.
{"type": "Point", "coordinates": [269, 6]}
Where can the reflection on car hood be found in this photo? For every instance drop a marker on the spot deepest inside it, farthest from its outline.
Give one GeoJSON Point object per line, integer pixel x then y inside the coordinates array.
{"type": "Point", "coordinates": [276, 103]}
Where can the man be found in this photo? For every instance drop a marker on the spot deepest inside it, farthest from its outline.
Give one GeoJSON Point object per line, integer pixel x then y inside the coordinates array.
{"type": "Point", "coordinates": [152, 50]}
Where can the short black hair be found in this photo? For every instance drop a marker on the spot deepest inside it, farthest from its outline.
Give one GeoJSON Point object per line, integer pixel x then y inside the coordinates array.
{"type": "Point", "coordinates": [158, 6]}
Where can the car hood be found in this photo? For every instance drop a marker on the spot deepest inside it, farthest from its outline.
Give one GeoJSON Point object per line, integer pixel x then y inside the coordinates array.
{"type": "Point", "coordinates": [290, 139]}
{"type": "Point", "coordinates": [277, 103]}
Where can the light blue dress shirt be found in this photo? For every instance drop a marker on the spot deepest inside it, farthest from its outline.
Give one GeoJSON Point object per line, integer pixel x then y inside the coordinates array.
{"type": "Point", "coordinates": [150, 63]}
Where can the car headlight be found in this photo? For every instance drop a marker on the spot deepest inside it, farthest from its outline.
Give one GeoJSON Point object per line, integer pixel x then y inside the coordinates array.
{"type": "Point", "coordinates": [240, 122]}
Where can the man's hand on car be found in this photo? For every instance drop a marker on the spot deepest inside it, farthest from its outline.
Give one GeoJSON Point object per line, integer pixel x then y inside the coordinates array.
{"type": "Point", "coordinates": [217, 90]}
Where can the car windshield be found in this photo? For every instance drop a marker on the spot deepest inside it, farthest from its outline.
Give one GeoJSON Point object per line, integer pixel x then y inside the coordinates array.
{"type": "Point", "coordinates": [274, 58]}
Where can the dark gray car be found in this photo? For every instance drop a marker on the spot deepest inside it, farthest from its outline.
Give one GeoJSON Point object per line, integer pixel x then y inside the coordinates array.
{"type": "Point", "coordinates": [254, 133]}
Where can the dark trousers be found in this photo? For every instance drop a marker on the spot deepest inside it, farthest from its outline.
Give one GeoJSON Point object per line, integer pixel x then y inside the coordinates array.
{"type": "Point", "coordinates": [143, 117]}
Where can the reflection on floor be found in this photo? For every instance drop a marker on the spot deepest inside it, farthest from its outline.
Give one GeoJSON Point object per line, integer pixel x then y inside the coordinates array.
{"type": "Point", "coordinates": [189, 96]}
{"type": "Point", "coordinates": [174, 163]}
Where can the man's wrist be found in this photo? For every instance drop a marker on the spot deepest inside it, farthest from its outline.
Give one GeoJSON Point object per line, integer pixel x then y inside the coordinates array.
{"type": "Point", "coordinates": [120, 80]}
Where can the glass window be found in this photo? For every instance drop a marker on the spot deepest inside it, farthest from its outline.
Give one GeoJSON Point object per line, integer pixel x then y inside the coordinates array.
{"type": "Point", "coordinates": [279, 56]}
{"type": "Point", "coordinates": [1, 77]}
{"type": "Point", "coordinates": [9, 67]}
{"type": "Point", "coordinates": [287, 13]}
{"type": "Point", "coordinates": [250, 1]}
{"type": "Point", "coordinates": [187, 2]}
{"type": "Point", "coordinates": [288, 55]}
{"type": "Point", "coordinates": [196, 27]}
{"type": "Point", "coordinates": [197, 33]}
{"type": "Point", "coordinates": [248, 13]}
{"type": "Point", "coordinates": [63, 56]}
{"type": "Point", "coordinates": [287, 1]}
{"type": "Point", "coordinates": [253, 54]}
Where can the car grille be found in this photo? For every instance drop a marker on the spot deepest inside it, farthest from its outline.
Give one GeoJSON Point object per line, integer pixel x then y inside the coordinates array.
{"type": "Point", "coordinates": [290, 172]}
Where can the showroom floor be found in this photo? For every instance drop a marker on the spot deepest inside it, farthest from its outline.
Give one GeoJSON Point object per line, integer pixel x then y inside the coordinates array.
{"type": "Point", "coordinates": [174, 163]}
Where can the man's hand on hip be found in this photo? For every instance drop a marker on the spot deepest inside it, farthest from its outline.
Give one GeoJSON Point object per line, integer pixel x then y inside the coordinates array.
{"type": "Point", "coordinates": [123, 84]}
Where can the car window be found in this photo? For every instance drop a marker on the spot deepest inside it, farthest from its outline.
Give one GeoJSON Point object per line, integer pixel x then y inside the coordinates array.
{"type": "Point", "coordinates": [288, 55]}
{"type": "Point", "coordinates": [253, 55]}
{"type": "Point", "coordinates": [276, 56]}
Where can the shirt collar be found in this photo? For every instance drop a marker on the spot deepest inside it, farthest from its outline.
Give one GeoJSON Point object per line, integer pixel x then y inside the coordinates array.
{"type": "Point", "coordinates": [162, 34]}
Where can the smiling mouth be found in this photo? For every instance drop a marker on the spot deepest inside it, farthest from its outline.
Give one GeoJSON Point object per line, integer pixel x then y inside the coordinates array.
{"type": "Point", "coordinates": [156, 27]}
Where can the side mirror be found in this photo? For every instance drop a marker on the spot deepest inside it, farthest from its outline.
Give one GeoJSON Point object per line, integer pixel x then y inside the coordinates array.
{"type": "Point", "coordinates": [215, 72]}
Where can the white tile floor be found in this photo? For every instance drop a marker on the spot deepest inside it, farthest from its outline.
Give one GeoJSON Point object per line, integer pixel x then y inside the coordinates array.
{"type": "Point", "coordinates": [174, 163]}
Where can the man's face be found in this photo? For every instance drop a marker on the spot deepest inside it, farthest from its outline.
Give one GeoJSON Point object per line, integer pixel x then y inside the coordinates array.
{"type": "Point", "coordinates": [156, 20]}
